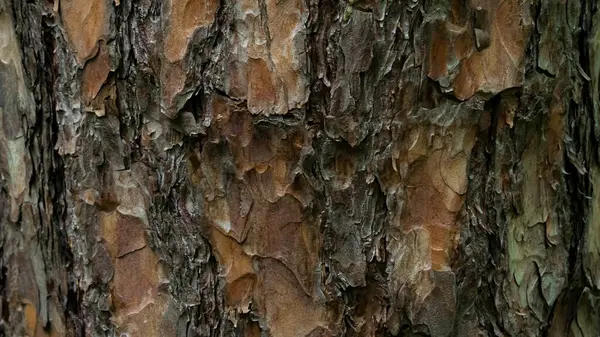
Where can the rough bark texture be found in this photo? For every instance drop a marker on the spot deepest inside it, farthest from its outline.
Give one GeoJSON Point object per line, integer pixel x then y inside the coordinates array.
{"type": "Point", "coordinates": [299, 168]}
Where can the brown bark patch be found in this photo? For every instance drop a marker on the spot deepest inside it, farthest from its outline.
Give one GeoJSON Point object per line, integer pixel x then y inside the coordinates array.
{"type": "Point", "coordinates": [261, 91]}
{"type": "Point", "coordinates": [285, 28]}
{"type": "Point", "coordinates": [95, 74]}
{"type": "Point", "coordinates": [286, 309]}
{"type": "Point", "coordinates": [499, 66]}
{"type": "Point", "coordinates": [139, 308]}
{"type": "Point", "coordinates": [185, 17]}
{"type": "Point", "coordinates": [86, 22]}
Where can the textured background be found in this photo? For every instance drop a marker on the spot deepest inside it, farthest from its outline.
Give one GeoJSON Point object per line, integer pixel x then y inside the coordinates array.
{"type": "Point", "coordinates": [299, 168]}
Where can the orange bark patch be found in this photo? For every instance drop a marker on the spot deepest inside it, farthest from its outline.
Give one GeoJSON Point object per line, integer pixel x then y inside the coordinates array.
{"type": "Point", "coordinates": [95, 74]}
{"type": "Point", "coordinates": [86, 22]}
{"type": "Point", "coordinates": [438, 53]}
{"type": "Point", "coordinates": [234, 261]}
{"type": "Point", "coordinates": [30, 314]}
{"type": "Point", "coordinates": [261, 92]}
{"type": "Point", "coordinates": [139, 307]}
{"type": "Point", "coordinates": [237, 269]}
{"type": "Point", "coordinates": [136, 280]}
{"type": "Point", "coordinates": [278, 230]}
{"type": "Point", "coordinates": [123, 234]}
{"type": "Point", "coordinates": [185, 17]}
{"type": "Point", "coordinates": [257, 213]}
{"type": "Point", "coordinates": [238, 294]}
{"type": "Point", "coordinates": [500, 66]}
{"type": "Point", "coordinates": [436, 185]}
{"type": "Point", "coordinates": [451, 40]}
{"type": "Point", "coordinates": [285, 307]}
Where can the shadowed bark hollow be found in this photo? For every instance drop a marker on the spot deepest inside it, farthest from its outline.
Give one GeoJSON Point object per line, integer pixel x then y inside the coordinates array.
{"type": "Point", "coordinates": [299, 168]}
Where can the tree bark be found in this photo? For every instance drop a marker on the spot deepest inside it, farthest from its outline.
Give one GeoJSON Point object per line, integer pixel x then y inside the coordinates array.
{"type": "Point", "coordinates": [299, 168]}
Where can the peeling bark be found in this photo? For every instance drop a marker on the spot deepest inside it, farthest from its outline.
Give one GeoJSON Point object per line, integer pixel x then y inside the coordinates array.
{"type": "Point", "coordinates": [299, 168]}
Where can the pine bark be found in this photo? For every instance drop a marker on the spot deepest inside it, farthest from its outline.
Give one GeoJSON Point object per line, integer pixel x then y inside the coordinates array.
{"type": "Point", "coordinates": [299, 168]}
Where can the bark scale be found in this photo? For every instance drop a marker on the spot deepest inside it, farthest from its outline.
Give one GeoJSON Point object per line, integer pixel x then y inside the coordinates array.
{"type": "Point", "coordinates": [299, 168]}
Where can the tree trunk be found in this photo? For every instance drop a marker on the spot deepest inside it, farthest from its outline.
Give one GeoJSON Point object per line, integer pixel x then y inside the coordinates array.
{"type": "Point", "coordinates": [299, 168]}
